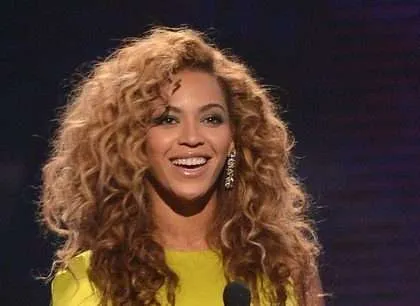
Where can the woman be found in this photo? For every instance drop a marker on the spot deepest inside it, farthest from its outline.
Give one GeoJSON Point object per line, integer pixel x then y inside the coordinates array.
{"type": "Point", "coordinates": [171, 176]}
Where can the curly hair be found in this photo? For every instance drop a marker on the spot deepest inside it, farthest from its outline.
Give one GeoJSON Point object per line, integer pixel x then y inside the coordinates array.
{"type": "Point", "coordinates": [93, 194]}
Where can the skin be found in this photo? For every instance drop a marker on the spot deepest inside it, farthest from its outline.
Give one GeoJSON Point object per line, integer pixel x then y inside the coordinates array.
{"type": "Point", "coordinates": [196, 124]}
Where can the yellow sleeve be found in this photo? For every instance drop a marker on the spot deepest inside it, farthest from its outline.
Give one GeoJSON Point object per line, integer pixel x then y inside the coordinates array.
{"type": "Point", "coordinates": [71, 287]}
{"type": "Point", "coordinates": [291, 296]}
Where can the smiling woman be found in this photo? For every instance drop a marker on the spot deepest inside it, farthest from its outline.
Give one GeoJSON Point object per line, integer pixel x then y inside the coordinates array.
{"type": "Point", "coordinates": [187, 149]}
{"type": "Point", "coordinates": [171, 176]}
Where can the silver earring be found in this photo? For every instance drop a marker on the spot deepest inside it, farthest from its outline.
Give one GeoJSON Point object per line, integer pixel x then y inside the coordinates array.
{"type": "Point", "coordinates": [230, 170]}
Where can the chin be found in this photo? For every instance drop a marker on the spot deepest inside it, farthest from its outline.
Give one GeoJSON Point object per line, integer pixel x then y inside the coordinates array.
{"type": "Point", "coordinates": [190, 196]}
{"type": "Point", "coordinates": [193, 193]}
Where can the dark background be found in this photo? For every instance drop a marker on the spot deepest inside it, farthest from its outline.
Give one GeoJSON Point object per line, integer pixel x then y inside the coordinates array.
{"type": "Point", "coordinates": [346, 73]}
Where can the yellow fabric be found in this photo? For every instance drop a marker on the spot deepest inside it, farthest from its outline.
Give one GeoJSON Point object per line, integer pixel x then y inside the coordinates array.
{"type": "Point", "coordinates": [200, 273]}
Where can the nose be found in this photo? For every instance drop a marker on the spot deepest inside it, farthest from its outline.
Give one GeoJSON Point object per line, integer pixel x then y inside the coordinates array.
{"type": "Point", "coordinates": [190, 134]}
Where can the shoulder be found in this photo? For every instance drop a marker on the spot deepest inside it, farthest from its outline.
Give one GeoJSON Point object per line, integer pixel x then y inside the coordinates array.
{"type": "Point", "coordinates": [71, 286]}
{"type": "Point", "coordinates": [265, 286]}
{"type": "Point", "coordinates": [291, 295]}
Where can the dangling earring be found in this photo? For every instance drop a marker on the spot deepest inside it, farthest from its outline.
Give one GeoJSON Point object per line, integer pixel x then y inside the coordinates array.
{"type": "Point", "coordinates": [230, 170]}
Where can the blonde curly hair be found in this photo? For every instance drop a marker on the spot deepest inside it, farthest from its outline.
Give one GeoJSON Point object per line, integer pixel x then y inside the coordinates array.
{"type": "Point", "coordinates": [94, 197]}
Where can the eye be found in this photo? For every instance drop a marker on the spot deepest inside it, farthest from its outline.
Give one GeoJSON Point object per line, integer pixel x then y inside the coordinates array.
{"type": "Point", "coordinates": [165, 120]}
{"type": "Point", "coordinates": [214, 119]}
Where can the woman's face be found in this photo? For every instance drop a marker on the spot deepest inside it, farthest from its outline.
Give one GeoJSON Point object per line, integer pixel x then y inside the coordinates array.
{"type": "Point", "coordinates": [187, 145]}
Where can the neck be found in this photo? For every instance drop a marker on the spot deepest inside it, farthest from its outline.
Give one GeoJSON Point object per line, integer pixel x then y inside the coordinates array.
{"type": "Point", "coordinates": [182, 224]}
{"type": "Point", "coordinates": [182, 233]}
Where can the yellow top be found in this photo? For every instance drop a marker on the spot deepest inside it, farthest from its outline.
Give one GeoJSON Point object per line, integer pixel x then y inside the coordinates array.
{"type": "Point", "coordinates": [201, 281]}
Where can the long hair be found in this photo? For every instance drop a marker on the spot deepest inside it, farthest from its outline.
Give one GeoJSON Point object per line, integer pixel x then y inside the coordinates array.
{"type": "Point", "coordinates": [93, 194]}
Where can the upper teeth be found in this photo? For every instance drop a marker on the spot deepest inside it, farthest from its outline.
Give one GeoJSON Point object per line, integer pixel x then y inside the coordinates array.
{"type": "Point", "coordinates": [192, 161]}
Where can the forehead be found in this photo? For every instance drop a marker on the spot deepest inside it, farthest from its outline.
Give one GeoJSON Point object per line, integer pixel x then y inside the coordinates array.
{"type": "Point", "coordinates": [192, 89]}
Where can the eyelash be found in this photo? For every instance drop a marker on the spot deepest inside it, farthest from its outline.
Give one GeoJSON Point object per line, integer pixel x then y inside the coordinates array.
{"type": "Point", "coordinates": [214, 119]}
{"type": "Point", "coordinates": [165, 120]}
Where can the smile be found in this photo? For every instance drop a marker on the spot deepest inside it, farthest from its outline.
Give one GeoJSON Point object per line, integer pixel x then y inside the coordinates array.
{"type": "Point", "coordinates": [190, 167]}
{"type": "Point", "coordinates": [190, 162]}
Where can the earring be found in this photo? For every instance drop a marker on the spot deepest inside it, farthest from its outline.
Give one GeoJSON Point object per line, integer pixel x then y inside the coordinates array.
{"type": "Point", "coordinates": [230, 170]}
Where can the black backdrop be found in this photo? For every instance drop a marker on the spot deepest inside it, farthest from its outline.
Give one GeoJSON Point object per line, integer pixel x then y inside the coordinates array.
{"type": "Point", "coordinates": [346, 73]}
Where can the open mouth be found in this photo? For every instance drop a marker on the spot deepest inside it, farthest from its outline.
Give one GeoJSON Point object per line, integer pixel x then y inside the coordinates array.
{"type": "Point", "coordinates": [190, 163]}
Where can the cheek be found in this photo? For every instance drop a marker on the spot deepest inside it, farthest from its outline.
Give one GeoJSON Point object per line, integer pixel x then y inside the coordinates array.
{"type": "Point", "coordinates": [156, 145]}
{"type": "Point", "coordinates": [222, 140]}
{"type": "Point", "coordinates": [156, 148]}
{"type": "Point", "coordinates": [149, 145]}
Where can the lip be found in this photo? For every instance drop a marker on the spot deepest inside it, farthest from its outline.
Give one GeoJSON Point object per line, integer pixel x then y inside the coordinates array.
{"type": "Point", "coordinates": [192, 155]}
{"type": "Point", "coordinates": [191, 173]}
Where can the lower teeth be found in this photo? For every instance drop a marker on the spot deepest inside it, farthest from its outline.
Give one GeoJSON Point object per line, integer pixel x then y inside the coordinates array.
{"type": "Point", "coordinates": [190, 166]}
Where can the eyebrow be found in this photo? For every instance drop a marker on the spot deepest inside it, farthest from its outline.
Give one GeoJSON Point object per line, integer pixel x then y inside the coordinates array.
{"type": "Point", "coordinates": [177, 85]}
{"type": "Point", "coordinates": [202, 108]}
